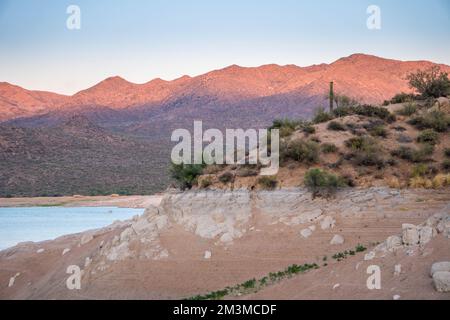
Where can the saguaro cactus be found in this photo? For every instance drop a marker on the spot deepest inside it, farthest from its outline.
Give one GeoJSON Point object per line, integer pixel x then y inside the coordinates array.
{"type": "Point", "coordinates": [331, 95]}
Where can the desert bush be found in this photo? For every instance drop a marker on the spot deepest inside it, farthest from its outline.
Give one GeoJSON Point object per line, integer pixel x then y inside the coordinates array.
{"type": "Point", "coordinates": [420, 182]}
{"type": "Point", "coordinates": [447, 152]}
{"type": "Point", "coordinates": [408, 110]}
{"type": "Point", "coordinates": [322, 183]}
{"type": "Point", "coordinates": [186, 174]}
{"type": "Point", "coordinates": [309, 129]}
{"type": "Point", "coordinates": [436, 120]}
{"type": "Point", "coordinates": [286, 126]}
{"type": "Point", "coordinates": [394, 183]}
{"type": "Point", "coordinates": [343, 111]}
{"type": "Point", "coordinates": [205, 182]}
{"type": "Point", "coordinates": [428, 136]}
{"type": "Point", "coordinates": [446, 165]}
{"type": "Point", "coordinates": [379, 131]}
{"type": "Point", "coordinates": [213, 169]}
{"type": "Point", "coordinates": [300, 150]}
{"type": "Point", "coordinates": [402, 98]}
{"type": "Point", "coordinates": [414, 155]}
{"type": "Point", "coordinates": [226, 177]}
{"type": "Point", "coordinates": [431, 82]}
{"type": "Point", "coordinates": [321, 116]}
{"type": "Point", "coordinates": [402, 138]}
{"type": "Point", "coordinates": [373, 111]}
{"type": "Point", "coordinates": [268, 182]}
{"type": "Point", "coordinates": [421, 170]}
{"type": "Point", "coordinates": [336, 126]}
{"type": "Point", "coordinates": [244, 171]}
{"type": "Point", "coordinates": [440, 181]}
{"type": "Point", "coordinates": [360, 143]}
{"type": "Point", "coordinates": [329, 148]}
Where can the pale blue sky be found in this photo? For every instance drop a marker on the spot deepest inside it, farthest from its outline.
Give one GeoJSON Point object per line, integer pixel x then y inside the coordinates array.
{"type": "Point", "coordinates": [144, 39]}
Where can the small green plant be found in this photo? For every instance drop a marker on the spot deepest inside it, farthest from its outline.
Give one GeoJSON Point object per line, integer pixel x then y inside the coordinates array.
{"type": "Point", "coordinates": [437, 120]}
{"type": "Point", "coordinates": [360, 248]}
{"type": "Point", "coordinates": [402, 98]}
{"type": "Point", "coordinates": [414, 155]}
{"type": "Point", "coordinates": [186, 174]}
{"type": "Point", "coordinates": [205, 183]}
{"type": "Point", "coordinates": [420, 170]}
{"type": "Point", "coordinates": [309, 129]}
{"type": "Point", "coordinates": [322, 183]}
{"type": "Point", "coordinates": [329, 148]}
{"type": "Point", "coordinates": [446, 164]}
{"type": "Point", "coordinates": [447, 152]}
{"type": "Point", "coordinates": [268, 182]}
{"type": "Point", "coordinates": [226, 177]}
{"type": "Point", "coordinates": [379, 131]}
{"type": "Point", "coordinates": [408, 109]}
{"type": "Point", "coordinates": [300, 150]}
{"type": "Point", "coordinates": [336, 126]}
{"type": "Point", "coordinates": [428, 136]}
{"type": "Point", "coordinates": [321, 116]}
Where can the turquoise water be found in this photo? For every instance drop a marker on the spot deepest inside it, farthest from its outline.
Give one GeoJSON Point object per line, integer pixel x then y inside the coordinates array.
{"type": "Point", "coordinates": [46, 223]}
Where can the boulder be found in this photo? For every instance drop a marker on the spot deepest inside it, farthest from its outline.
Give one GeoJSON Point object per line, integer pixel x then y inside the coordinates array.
{"type": "Point", "coordinates": [86, 238]}
{"type": "Point", "coordinates": [441, 280]}
{"type": "Point", "coordinates": [66, 250]}
{"type": "Point", "coordinates": [207, 255]}
{"type": "Point", "coordinates": [440, 266]}
{"type": "Point", "coordinates": [306, 233]}
{"type": "Point", "coordinates": [426, 234]}
{"type": "Point", "coordinates": [393, 243]}
{"type": "Point", "coordinates": [327, 223]}
{"type": "Point", "coordinates": [410, 235]}
{"type": "Point", "coordinates": [337, 240]}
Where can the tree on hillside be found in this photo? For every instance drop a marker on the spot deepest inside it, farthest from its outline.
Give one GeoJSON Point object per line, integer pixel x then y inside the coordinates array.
{"type": "Point", "coordinates": [430, 83]}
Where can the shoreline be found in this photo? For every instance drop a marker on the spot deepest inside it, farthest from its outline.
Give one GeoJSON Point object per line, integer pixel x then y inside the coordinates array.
{"type": "Point", "coordinates": [83, 201]}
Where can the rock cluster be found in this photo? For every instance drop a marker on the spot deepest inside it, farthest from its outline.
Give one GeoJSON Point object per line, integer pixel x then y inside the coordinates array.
{"type": "Point", "coordinates": [440, 272]}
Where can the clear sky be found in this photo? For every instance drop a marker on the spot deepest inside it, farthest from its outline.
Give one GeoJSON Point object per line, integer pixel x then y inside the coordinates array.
{"type": "Point", "coordinates": [144, 39]}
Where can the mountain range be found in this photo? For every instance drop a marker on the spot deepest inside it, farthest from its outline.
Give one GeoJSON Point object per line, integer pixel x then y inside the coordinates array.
{"type": "Point", "coordinates": [36, 125]}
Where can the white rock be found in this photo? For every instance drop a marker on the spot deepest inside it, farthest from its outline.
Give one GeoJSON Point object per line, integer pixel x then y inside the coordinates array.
{"type": "Point", "coordinates": [397, 269]}
{"type": "Point", "coordinates": [441, 281]}
{"type": "Point", "coordinates": [396, 297]}
{"type": "Point", "coordinates": [369, 256]}
{"type": "Point", "coordinates": [226, 237]}
{"type": "Point", "coordinates": [127, 234]}
{"type": "Point", "coordinates": [327, 223]}
{"type": "Point", "coordinates": [337, 285]}
{"type": "Point", "coordinates": [426, 234]}
{"type": "Point", "coordinates": [207, 254]}
{"type": "Point", "coordinates": [40, 250]}
{"type": "Point", "coordinates": [13, 279]}
{"type": "Point", "coordinates": [66, 250]}
{"type": "Point", "coordinates": [306, 233]}
{"type": "Point", "coordinates": [337, 240]}
{"type": "Point", "coordinates": [87, 262]}
{"type": "Point", "coordinates": [120, 252]}
{"type": "Point", "coordinates": [410, 235]}
{"type": "Point", "coordinates": [393, 243]}
{"type": "Point", "coordinates": [312, 228]}
{"type": "Point", "coordinates": [440, 266]}
{"type": "Point", "coordinates": [86, 238]}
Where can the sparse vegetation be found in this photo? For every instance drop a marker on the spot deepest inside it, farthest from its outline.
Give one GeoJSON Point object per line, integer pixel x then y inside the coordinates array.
{"type": "Point", "coordinates": [322, 183]}
{"type": "Point", "coordinates": [329, 148]}
{"type": "Point", "coordinates": [379, 131]}
{"type": "Point", "coordinates": [414, 155]}
{"type": "Point", "coordinates": [186, 174]}
{"type": "Point", "coordinates": [268, 182]}
{"type": "Point", "coordinates": [408, 110]}
{"type": "Point", "coordinates": [321, 116]}
{"type": "Point", "coordinates": [226, 177]}
{"type": "Point", "coordinates": [430, 83]}
{"type": "Point", "coordinates": [446, 165]}
{"type": "Point", "coordinates": [336, 126]}
{"type": "Point", "coordinates": [401, 98]}
{"type": "Point", "coordinates": [300, 150]}
{"type": "Point", "coordinates": [436, 120]}
{"type": "Point", "coordinates": [447, 152]}
{"type": "Point", "coordinates": [428, 136]}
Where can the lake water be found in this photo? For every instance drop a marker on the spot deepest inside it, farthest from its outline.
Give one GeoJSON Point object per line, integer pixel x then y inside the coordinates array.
{"type": "Point", "coordinates": [46, 223]}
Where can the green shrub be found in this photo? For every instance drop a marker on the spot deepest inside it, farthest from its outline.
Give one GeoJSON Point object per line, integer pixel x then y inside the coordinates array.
{"type": "Point", "coordinates": [402, 98]}
{"type": "Point", "coordinates": [226, 177]}
{"type": "Point", "coordinates": [420, 170]}
{"type": "Point", "coordinates": [186, 174]}
{"type": "Point", "coordinates": [309, 129]}
{"type": "Point", "coordinates": [379, 131]}
{"type": "Point", "coordinates": [447, 152]}
{"type": "Point", "coordinates": [373, 111]}
{"type": "Point", "coordinates": [446, 164]}
{"type": "Point", "coordinates": [286, 126]}
{"type": "Point", "coordinates": [336, 126]}
{"type": "Point", "coordinates": [322, 183]}
{"type": "Point", "coordinates": [414, 155]}
{"type": "Point", "coordinates": [340, 112]}
{"type": "Point", "coordinates": [430, 83]}
{"type": "Point", "coordinates": [408, 110]}
{"type": "Point", "coordinates": [329, 148]}
{"type": "Point", "coordinates": [359, 143]}
{"type": "Point", "coordinates": [436, 120]}
{"type": "Point", "coordinates": [428, 136]}
{"type": "Point", "coordinates": [244, 171]}
{"type": "Point", "coordinates": [268, 182]}
{"type": "Point", "coordinates": [322, 116]}
{"type": "Point", "coordinates": [300, 150]}
{"type": "Point", "coordinates": [205, 183]}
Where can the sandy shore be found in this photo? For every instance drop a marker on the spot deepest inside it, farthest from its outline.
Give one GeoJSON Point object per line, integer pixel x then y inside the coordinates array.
{"type": "Point", "coordinates": [83, 201]}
